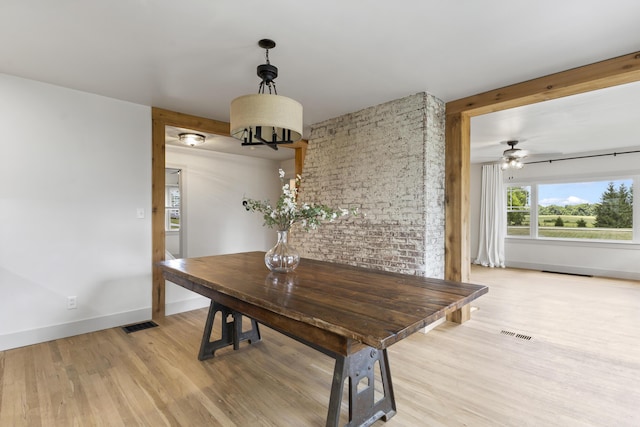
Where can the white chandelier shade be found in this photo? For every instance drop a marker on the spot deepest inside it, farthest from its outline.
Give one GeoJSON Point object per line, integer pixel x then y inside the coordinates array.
{"type": "Point", "coordinates": [258, 117]}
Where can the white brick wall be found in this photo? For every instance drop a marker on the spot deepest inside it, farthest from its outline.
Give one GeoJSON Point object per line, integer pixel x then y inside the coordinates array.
{"type": "Point", "coordinates": [388, 161]}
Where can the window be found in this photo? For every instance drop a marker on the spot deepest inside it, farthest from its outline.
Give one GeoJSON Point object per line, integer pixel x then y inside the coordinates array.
{"type": "Point", "coordinates": [172, 200]}
{"type": "Point", "coordinates": [172, 216]}
{"type": "Point", "coordinates": [594, 210]}
{"type": "Point", "coordinates": [519, 211]}
{"type": "Point", "coordinates": [601, 210]}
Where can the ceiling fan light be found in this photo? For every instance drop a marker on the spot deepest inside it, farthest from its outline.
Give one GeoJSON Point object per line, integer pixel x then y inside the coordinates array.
{"type": "Point", "coordinates": [511, 157]}
{"type": "Point", "coordinates": [511, 163]}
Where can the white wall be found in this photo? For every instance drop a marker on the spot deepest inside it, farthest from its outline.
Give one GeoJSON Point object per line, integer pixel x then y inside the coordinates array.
{"type": "Point", "coordinates": [74, 167]}
{"type": "Point", "coordinates": [214, 220]}
{"type": "Point", "coordinates": [599, 259]}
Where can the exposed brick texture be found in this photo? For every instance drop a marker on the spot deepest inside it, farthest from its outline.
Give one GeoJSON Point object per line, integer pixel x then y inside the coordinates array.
{"type": "Point", "coordinates": [388, 161]}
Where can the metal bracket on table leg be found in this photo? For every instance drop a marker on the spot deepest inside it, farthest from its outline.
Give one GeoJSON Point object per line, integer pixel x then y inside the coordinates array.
{"type": "Point", "coordinates": [359, 368]}
{"type": "Point", "coordinates": [232, 333]}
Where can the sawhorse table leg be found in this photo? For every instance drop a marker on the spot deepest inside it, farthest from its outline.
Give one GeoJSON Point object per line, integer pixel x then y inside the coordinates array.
{"type": "Point", "coordinates": [359, 369]}
{"type": "Point", "coordinates": [231, 329]}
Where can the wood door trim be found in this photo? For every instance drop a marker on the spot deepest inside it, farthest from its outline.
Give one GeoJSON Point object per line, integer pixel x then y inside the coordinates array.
{"type": "Point", "coordinates": [160, 118]}
{"type": "Point", "coordinates": [599, 75]}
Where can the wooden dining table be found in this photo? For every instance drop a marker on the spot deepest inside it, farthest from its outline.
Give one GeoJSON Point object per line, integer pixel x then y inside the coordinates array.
{"type": "Point", "coordinates": [352, 314]}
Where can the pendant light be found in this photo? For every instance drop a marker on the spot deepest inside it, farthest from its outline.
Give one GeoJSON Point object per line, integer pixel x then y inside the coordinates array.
{"type": "Point", "coordinates": [266, 118]}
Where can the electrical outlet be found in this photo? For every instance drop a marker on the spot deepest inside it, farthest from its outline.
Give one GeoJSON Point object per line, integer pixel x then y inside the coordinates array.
{"type": "Point", "coordinates": [72, 303]}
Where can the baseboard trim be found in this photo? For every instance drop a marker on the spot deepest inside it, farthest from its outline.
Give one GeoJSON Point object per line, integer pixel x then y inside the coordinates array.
{"type": "Point", "coordinates": [582, 271]}
{"type": "Point", "coordinates": [186, 305]}
{"type": "Point", "coordinates": [433, 325]}
{"type": "Point", "coordinates": [567, 273]}
{"type": "Point", "coordinates": [65, 330]}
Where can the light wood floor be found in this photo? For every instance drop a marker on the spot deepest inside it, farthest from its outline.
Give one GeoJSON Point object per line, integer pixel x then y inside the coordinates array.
{"type": "Point", "coordinates": [581, 367]}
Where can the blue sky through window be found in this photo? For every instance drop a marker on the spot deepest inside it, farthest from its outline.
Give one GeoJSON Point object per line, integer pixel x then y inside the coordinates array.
{"type": "Point", "coordinates": [575, 193]}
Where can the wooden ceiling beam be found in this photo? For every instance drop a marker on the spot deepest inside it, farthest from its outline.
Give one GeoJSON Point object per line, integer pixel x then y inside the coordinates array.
{"type": "Point", "coordinates": [600, 75]}
{"type": "Point", "coordinates": [172, 118]}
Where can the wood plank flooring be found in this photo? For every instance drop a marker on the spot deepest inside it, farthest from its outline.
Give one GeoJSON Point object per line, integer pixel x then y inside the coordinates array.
{"type": "Point", "coordinates": [580, 367]}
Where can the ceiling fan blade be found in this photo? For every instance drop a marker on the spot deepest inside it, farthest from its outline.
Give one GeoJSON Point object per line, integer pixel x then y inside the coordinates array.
{"type": "Point", "coordinates": [515, 152]}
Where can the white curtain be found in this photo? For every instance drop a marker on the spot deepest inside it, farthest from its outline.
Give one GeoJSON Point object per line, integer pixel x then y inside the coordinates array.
{"type": "Point", "coordinates": [493, 218]}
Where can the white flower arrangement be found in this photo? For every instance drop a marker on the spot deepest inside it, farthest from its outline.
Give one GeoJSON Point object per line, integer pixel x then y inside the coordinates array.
{"type": "Point", "coordinates": [287, 212]}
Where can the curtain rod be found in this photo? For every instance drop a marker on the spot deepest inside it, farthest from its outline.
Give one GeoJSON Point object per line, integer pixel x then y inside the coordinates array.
{"type": "Point", "coordinates": [583, 157]}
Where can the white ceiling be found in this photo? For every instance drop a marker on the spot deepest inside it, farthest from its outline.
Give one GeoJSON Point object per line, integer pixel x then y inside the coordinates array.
{"type": "Point", "coordinates": [334, 56]}
{"type": "Point", "coordinates": [606, 120]}
{"type": "Point", "coordinates": [226, 144]}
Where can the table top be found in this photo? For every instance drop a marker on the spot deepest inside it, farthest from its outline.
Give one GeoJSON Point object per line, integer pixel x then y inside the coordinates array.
{"type": "Point", "coordinates": [372, 307]}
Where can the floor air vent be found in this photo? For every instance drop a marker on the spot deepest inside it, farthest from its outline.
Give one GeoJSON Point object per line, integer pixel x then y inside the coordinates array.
{"type": "Point", "coordinates": [139, 326]}
{"type": "Point", "coordinates": [513, 334]}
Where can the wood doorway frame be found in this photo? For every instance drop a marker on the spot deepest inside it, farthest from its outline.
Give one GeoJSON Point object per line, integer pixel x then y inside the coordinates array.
{"type": "Point", "coordinates": [599, 75]}
{"type": "Point", "coordinates": [161, 118]}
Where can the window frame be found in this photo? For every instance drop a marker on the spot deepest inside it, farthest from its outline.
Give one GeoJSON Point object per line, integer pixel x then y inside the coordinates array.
{"type": "Point", "coordinates": [171, 206]}
{"type": "Point", "coordinates": [533, 214]}
{"type": "Point", "coordinates": [531, 200]}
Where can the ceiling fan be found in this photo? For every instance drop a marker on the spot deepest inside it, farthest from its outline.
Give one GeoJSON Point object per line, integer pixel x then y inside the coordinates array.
{"type": "Point", "coordinates": [512, 156]}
